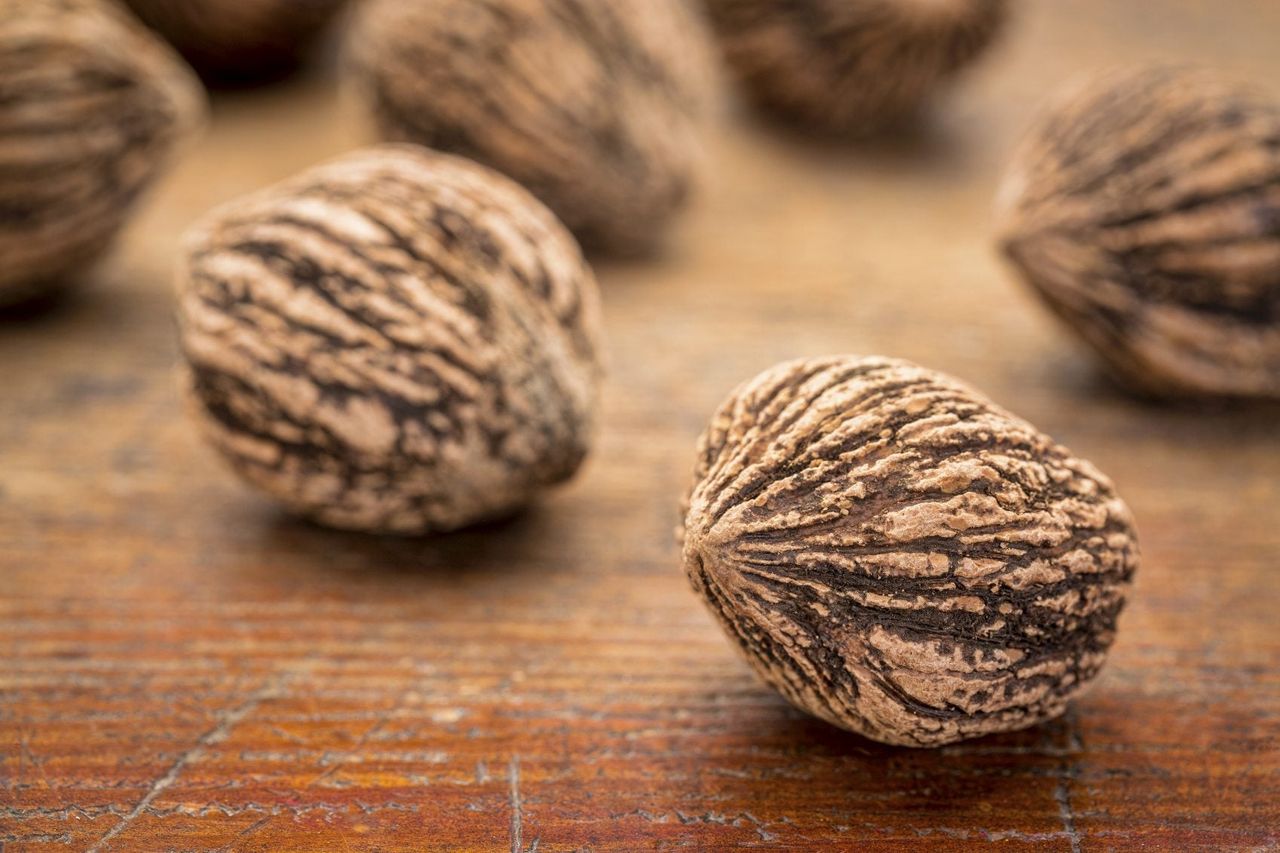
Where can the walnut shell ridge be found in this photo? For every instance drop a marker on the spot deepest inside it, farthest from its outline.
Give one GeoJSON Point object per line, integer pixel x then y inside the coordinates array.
{"type": "Point", "coordinates": [1144, 209]}
{"type": "Point", "coordinates": [239, 39]}
{"type": "Point", "coordinates": [899, 556]}
{"type": "Point", "coordinates": [395, 341]}
{"type": "Point", "coordinates": [91, 106]}
{"type": "Point", "coordinates": [596, 107]}
{"type": "Point", "coordinates": [851, 67]}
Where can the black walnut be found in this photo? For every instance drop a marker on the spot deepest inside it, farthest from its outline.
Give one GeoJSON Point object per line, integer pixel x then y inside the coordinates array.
{"type": "Point", "coordinates": [901, 557]}
{"type": "Point", "coordinates": [1144, 208]}
{"type": "Point", "coordinates": [395, 341]}
{"type": "Point", "coordinates": [851, 67]}
{"type": "Point", "coordinates": [91, 106]}
{"type": "Point", "coordinates": [596, 107]}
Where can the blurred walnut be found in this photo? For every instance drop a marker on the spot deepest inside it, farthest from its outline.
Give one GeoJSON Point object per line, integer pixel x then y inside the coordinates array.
{"type": "Point", "coordinates": [1144, 207]}
{"type": "Point", "coordinates": [851, 66]}
{"type": "Point", "coordinates": [899, 556]}
{"type": "Point", "coordinates": [394, 341]}
{"type": "Point", "coordinates": [593, 106]}
{"type": "Point", "coordinates": [239, 39]}
{"type": "Point", "coordinates": [91, 104]}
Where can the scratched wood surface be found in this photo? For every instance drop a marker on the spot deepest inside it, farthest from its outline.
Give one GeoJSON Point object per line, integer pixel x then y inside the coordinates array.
{"type": "Point", "coordinates": [184, 668]}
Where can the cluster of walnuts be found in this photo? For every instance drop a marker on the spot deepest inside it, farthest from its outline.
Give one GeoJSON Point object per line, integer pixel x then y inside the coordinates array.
{"type": "Point", "coordinates": [407, 339]}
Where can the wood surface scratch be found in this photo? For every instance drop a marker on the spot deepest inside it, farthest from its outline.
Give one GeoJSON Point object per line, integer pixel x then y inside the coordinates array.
{"type": "Point", "coordinates": [215, 735]}
{"type": "Point", "coordinates": [517, 810]}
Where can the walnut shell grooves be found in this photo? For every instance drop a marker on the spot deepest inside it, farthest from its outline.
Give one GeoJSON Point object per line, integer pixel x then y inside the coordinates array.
{"type": "Point", "coordinates": [239, 40]}
{"type": "Point", "coordinates": [91, 105]}
{"type": "Point", "coordinates": [1144, 208]}
{"type": "Point", "coordinates": [899, 556]}
{"type": "Point", "coordinates": [394, 341]}
{"type": "Point", "coordinates": [851, 67]}
{"type": "Point", "coordinates": [593, 106]}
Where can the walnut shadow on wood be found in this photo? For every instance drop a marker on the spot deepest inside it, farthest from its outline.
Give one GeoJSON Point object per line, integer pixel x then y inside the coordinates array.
{"type": "Point", "coordinates": [522, 542]}
{"type": "Point", "coordinates": [94, 300]}
{"type": "Point", "coordinates": [922, 140]}
{"type": "Point", "coordinates": [1088, 382]}
{"type": "Point", "coordinates": [48, 304]}
{"type": "Point", "coordinates": [914, 134]}
{"type": "Point", "coordinates": [963, 779]}
{"type": "Point", "coordinates": [242, 43]}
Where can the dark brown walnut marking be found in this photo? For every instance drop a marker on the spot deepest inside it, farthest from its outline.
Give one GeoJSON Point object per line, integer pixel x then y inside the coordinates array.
{"type": "Point", "coordinates": [593, 106]}
{"type": "Point", "coordinates": [851, 66]}
{"type": "Point", "coordinates": [899, 556]}
{"type": "Point", "coordinates": [395, 341]}
{"type": "Point", "coordinates": [239, 39]}
{"type": "Point", "coordinates": [1144, 208]}
{"type": "Point", "coordinates": [91, 106]}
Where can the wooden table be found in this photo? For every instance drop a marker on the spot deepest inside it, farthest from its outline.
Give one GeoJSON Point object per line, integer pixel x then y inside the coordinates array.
{"type": "Point", "coordinates": [184, 668]}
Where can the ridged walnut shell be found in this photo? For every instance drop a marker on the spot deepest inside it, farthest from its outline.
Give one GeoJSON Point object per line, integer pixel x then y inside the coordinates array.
{"type": "Point", "coordinates": [1144, 208]}
{"type": "Point", "coordinates": [850, 67]}
{"type": "Point", "coordinates": [901, 557]}
{"type": "Point", "coordinates": [594, 106]}
{"type": "Point", "coordinates": [395, 341]}
{"type": "Point", "coordinates": [239, 39]}
{"type": "Point", "coordinates": [91, 104]}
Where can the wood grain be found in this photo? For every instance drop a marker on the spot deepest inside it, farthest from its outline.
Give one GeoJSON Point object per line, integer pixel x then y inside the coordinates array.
{"type": "Point", "coordinates": [184, 668]}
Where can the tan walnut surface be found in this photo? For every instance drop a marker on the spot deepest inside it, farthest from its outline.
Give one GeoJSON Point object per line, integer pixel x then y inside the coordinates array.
{"type": "Point", "coordinates": [1144, 208]}
{"type": "Point", "coordinates": [396, 340]}
{"type": "Point", "coordinates": [851, 66]}
{"type": "Point", "coordinates": [91, 105]}
{"type": "Point", "coordinates": [899, 556]}
{"type": "Point", "coordinates": [595, 107]}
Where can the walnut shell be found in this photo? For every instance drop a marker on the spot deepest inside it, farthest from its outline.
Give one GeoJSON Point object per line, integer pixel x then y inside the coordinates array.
{"type": "Point", "coordinates": [851, 66]}
{"type": "Point", "coordinates": [593, 106]}
{"type": "Point", "coordinates": [394, 341]}
{"type": "Point", "coordinates": [1144, 208]}
{"type": "Point", "coordinates": [91, 104]}
{"type": "Point", "coordinates": [899, 556]}
{"type": "Point", "coordinates": [239, 39]}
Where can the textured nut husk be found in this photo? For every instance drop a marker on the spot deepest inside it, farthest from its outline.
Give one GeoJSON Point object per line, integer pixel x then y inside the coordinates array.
{"type": "Point", "coordinates": [239, 39]}
{"type": "Point", "coordinates": [596, 107]}
{"type": "Point", "coordinates": [1144, 208]}
{"type": "Point", "coordinates": [395, 341]}
{"type": "Point", "coordinates": [850, 67]}
{"type": "Point", "coordinates": [899, 556]}
{"type": "Point", "coordinates": [91, 104]}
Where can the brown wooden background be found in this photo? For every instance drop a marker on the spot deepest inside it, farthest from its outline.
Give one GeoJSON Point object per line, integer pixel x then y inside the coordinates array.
{"type": "Point", "coordinates": [184, 668]}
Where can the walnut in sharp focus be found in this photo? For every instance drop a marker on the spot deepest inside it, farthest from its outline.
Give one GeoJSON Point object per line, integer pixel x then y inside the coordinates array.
{"type": "Point", "coordinates": [899, 556]}
{"type": "Point", "coordinates": [594, 106]}
{"type": "Point", "coordinates": [239, 39]}
{"type": "Point", "coordinates": [851, 67]}
{"type": "Point", "coordinates": [91, 104]}
{"type": "Point", "coordinates": [1144, 208]}
{"type": "Point", "coordinates": [395, 341]}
